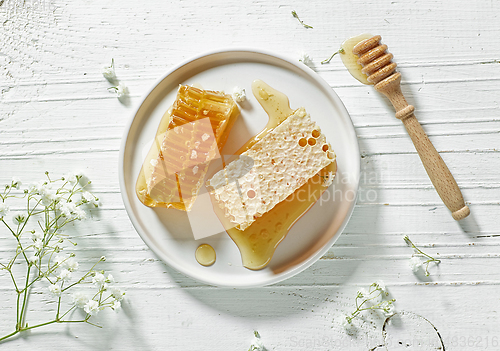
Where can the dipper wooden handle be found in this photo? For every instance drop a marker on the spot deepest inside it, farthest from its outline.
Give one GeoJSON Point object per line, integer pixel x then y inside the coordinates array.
{"type": "Point", "coordinates": [381, 71]}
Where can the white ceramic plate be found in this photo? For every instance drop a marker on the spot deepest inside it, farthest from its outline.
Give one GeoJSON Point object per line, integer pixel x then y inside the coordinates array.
{"type": "Point", "coordinates": [168, 232]}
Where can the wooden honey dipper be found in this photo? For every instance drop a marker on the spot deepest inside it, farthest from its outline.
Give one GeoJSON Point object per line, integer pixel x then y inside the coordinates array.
{"type": "Point", "coordinates": [381, 71]}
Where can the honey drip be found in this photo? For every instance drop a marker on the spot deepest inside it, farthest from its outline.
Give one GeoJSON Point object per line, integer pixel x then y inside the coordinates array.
{"type": "Point", "coordinates": [258, 242]}
{"type": "Point", "coordinates": [205, 255]}
{"type": "Point", "coordinates": [350, 60]}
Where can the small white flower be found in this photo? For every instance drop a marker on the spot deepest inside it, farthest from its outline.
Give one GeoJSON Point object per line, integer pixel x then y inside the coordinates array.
{"type": "Point", "coordinates": [19, 218]}
{"type": "Point", "coordinates": [407, 240]}
{"type": "Point", "coordinates": [305, 59]}
{"type": "Point", "coordinates": [33, 187]}
{"type": "Point", "coordinates": [36, 235]}
{"type": "Point", "coordinates": [345, 323]}
{"type": "Point", "coordinates": [48, 194]}
{"type": "Point", "coordinates": [121, 90]}
{"type": "Point", "coordinates": [363, 292]}
{"type": "Point", "coordinates": [79, 299]}
{"type": "Point", "coordinates": [117, 294]}
{"type": "Point", "coordinates": [257, 344]}
{"type": "Point", "coordinates": [38, 244]}
{"type": "Point", "coordinates": [109, 71]}
{"type": "Point", "coordinates": [64, 275]}
{"type": "Point", "coordinates": [239, 94]}
{"type": "Point", "coordinates": [415, 263]}
{"type": "Point", "coordinates": [33, 259]}
{"type": "Point", "coordinates": [55, 290]}
{"type": "Point", "coordinates": [4, 209]}
{"type": "Point", "coordinates": [110, 279]}
{"type": "Point", "coordinates": [381, 285]}
{"type": "Point", "coordinates": [116, 305]}
{"type": "Point", "coordinates": [60, 259]}
{"type": "Point", "coordinates": [79, 213]}
{"type": "Point", "coordinates": [65, 208]}
{"type": "Point", "coordinates": [16, 183]}
{"type": "Point", "coordinates": [89, 198]}
{"type": "Point", "coordinates": [98, 280]}
{"type": "Point", "coordinates": [71, 264]}
{"type": "Point", "coordinates": [91, 307]}
{"type": "Point", "coordinates": [71, 178]}
{"type": "Point", "coordinates": [69, 209]}
{"type": "Point", "coordinates": [388, 309]}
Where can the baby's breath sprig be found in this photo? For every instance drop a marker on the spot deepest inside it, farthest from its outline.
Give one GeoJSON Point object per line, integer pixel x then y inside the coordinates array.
{"type": "Point", "coordinates": [118, 87]}
{"type": "Point", "coordinates": [50, 205]}
{"type": "Point", "coordinates": [339, 51]}
{"type": "Point", "coordinates": [369, 300]}
{"type": "Point", "coordinates": [419, 258]}
{"type": "Point", "coordinates": [257, 344]}
{"type": "Point", "coordinates": [109, 72]}
{"type": "Point", "coordinates": [294, 14]}
{"type": "Point", "coordinates": [306, 59]}
{"type": "Point", "coordinates": [121, 90]}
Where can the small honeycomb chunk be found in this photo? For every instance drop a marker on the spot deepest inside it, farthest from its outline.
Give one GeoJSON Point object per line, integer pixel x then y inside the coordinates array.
{"type": "Point", "coordinates": [198, 125]}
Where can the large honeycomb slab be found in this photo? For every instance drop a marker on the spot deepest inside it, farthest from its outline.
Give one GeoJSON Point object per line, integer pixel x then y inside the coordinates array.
{"type": "Point", "coordinates": [271, 170]}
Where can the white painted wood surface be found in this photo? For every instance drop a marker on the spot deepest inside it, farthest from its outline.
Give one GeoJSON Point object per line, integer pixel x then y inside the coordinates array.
{"type": "Point", "coordinates": [56, 114]}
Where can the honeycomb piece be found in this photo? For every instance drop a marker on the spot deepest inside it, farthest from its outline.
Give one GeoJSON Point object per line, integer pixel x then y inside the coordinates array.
{"type": "Point", "coordinates": [198, 126]}
{"type": "Point", "coordinates": [271, 170]}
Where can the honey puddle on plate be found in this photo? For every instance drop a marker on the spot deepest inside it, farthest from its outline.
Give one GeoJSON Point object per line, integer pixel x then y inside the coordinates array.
{"type": "Point", "coordinates": [258, 242]}
{"type": "Point", "coordinates": [205, 255]}
{"type": "Point", "coordinates": [350, 60]}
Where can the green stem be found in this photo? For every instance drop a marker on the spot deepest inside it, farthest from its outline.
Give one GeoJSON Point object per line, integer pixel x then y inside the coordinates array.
{"type": "Point", "coordinates": [25, 298]}
{"type": "Point", "coordinates": [359, 307]}
{"type": "Point", "coordinates": [21, 245]}
{"type": "Point", "coordinates": [339, 51]}
{"type": "Point", "coordinates": [17, 309]}
{"type": "Point", "coordinates": [20, 328]}
{"type": "Point", "coordinates": [41, 325]}
{"type": "Point", "coordinates": [13, 279]}
{"type": "Point", "coordinates": [9, 335]}
{"type": "Point", "coordinates": [431, 259]}
{"type": "Point", "coordinates": [83, 278]}
{"type": "Point", "coordinates": [423, 253]}
{"type": "Point", "coordinates": [78, 282]}
{"type": "Point", "coordinates": [37, 278]}
{"type": "Point", "coordinates": [59, 303]}
{"type": "Point", "coordinates": [95, 325]}
{"type": "Point", "coordinates": [294, 14]}
{"type": "Point", "coordinates": [44, 324]}
{"type": "Point", "coordinates": [68, 311]}
{"type": "Point", "coordinates": [8, 227]}
{"type": "Point", "coordinates": [58, 307]}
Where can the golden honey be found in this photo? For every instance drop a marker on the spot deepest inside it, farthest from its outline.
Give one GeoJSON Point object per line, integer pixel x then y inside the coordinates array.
{"type": "Point", "coordinates": [258, 242]}
{"type": "Point", "coordinates": [205, 255]}
{"type": "Point", "coordinates": [189, 136]}
{"type": "Point", "coordinates": [350, 60]}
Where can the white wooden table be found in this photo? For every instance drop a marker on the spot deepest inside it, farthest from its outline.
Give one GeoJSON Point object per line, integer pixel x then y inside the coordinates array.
{"type": "Point", "coordinates": [56, 114]}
